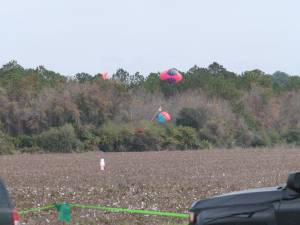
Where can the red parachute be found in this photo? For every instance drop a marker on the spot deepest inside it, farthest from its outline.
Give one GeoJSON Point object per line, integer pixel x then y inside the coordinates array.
{"type": "Point", "coordinates": [172, 76]}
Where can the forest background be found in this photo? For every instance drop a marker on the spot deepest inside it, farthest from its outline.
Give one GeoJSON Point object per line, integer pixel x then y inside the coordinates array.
{"type": "Point", "coordinates": [44, 111]}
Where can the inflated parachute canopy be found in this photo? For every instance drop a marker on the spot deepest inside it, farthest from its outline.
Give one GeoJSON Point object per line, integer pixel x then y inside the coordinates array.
{"type": "Point", "coordinates": [172, 76]}
{"type": "Point", "coordinates": [163, 117]}
{"type": "Point", "coordinates": [104, 75]}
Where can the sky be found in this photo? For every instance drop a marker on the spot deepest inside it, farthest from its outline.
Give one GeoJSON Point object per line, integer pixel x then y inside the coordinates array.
{"type": "Point", "coordinates": [151, 35]}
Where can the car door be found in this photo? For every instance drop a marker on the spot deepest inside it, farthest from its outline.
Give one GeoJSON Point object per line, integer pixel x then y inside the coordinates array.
{"type": "Point", "coordinates": [289, 211]}
{"type": "Point", "coordinates": [260, 214]}
{"type": "Point", "coordinates": [5, 206]}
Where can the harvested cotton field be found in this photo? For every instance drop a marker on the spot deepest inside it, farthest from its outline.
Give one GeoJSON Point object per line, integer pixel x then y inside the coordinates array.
{"type": "Point", "coordinates": [166, 181]}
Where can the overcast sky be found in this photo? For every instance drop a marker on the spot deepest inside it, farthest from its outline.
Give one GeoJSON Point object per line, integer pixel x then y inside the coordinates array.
{"type": "Point", "coordinates": [70, 36]}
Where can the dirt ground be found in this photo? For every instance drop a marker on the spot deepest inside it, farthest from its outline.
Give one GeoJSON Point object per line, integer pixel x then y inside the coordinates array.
{"type": "Point", "coordinates": [167, 181]}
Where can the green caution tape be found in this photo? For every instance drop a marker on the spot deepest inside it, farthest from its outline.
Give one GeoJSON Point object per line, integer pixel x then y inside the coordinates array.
{"type": "Point", "coordinates": [106, 209]}
{"type": "Point", "coordinates": [37, 209]}
{"type": "Point", "coordinates": [132, 211]}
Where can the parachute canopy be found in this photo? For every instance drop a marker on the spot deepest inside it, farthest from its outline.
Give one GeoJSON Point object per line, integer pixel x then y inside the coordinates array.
{"type": "Point", "coordinates": [163, 117]}
{"type": "Point", "coordinates": [104, 75]}
{"type": "Point", "coordinates": [172, 76]}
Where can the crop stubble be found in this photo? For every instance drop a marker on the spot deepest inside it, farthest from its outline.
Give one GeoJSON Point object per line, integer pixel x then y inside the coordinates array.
{"type": "Point", "coordinates": [168, 180]}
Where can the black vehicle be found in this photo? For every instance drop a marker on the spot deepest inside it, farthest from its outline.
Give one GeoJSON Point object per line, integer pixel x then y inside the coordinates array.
{"type": "Point", "coordinates": [8, 215]}
{"type": "Point", "coordinates": [261, 206]}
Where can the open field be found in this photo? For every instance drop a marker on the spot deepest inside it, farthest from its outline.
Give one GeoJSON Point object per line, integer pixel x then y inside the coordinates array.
{"type": "Point", "coordinates": [167, 181]}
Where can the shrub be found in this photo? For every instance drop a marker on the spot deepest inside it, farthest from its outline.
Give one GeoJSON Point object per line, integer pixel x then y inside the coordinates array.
{"type": "Point", "coordinates": [6, 144]}
{"type": "Point", "coordinates": [256, 138]}
{"type": "Point", "coordinates": [190, 117]}
{"type": "Point", "coordinates": [243, 137]}
{"type": "Point", "coordinates": [25, 141]}
{"type": "Point", "coordinates": [260, 140]}
{"type": "Point", "coordinates": [218, 132]}
{"type": "Point", "coordinates": [87, 135]}
{"type": "Point", "coordinates": [126, 137]}
{"type": "Point", "coordinates": [145, 141]}
{"type": "Point", "coordinates": [275, 138]}
{"type": "Point", "coordinates": [109, 135]}
{"type": "Point", "coordinates": [170, 141]}
{"type": "Point", "coordinates": [292, 136]}
{"type": "Point", "coordinates": [204, 144]}
{"type": "Point", "coordinates": [31, 150]}
{"type": "Point", "coordinates": [187, 138]}
{"type": "Point", "coordinates": [61, 139]}
{"type": "Point", "coordinates": [153, 137]}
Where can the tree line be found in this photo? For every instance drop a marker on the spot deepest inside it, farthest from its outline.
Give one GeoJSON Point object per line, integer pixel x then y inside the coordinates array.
{"type": "Point", "coordinates": [44, 111]}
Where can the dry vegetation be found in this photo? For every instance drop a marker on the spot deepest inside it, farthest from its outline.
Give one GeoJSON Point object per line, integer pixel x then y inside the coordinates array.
{"type": "Point", "coordinates": [168, 181]}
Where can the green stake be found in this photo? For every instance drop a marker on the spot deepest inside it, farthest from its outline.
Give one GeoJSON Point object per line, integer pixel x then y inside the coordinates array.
{"type": "Point", "coordinates": [64, 212]}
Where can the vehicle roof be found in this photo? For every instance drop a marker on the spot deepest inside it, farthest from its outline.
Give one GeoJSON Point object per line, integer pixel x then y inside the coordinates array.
{"type": "Point", "coordinates": [254, 190]}
{"type": "Point", "coordinates": [4, 196]}
{"type": "Point", "coordinates": [5, 206]}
